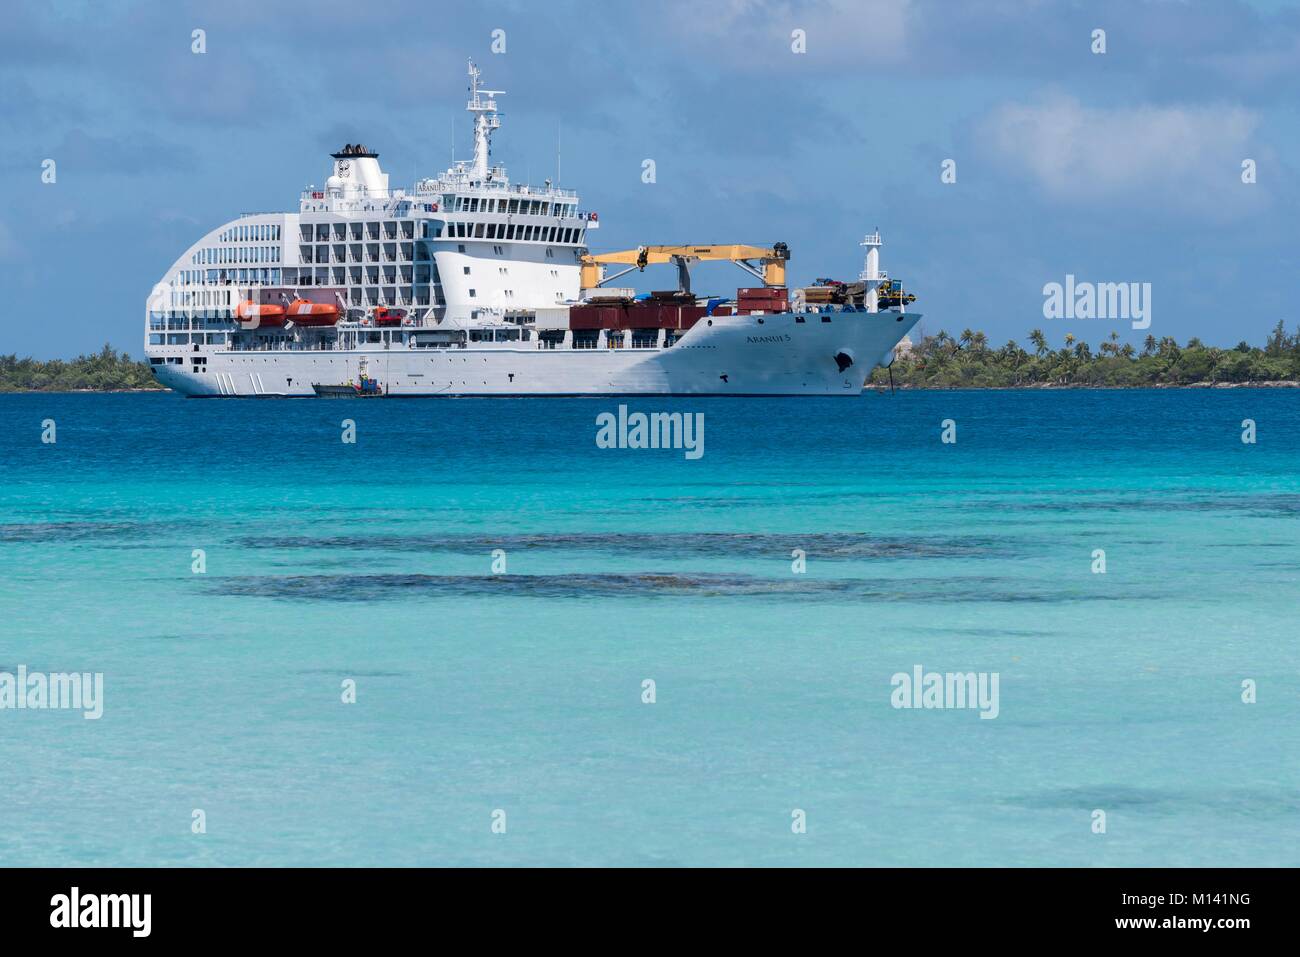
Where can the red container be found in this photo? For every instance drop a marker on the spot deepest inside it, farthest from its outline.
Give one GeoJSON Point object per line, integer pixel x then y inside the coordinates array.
{"type": "Point", "coordinates": [638, 316]}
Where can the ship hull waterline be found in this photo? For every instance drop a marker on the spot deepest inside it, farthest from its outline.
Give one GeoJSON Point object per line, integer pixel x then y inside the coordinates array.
{"type": "Point", "coordinates": [726, 356]}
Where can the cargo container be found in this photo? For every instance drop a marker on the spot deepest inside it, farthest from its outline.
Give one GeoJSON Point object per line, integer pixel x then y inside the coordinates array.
{"type": "Point", "coordinates": [554, 317]}
{"type": "Point", "coordinates": [640, 315]}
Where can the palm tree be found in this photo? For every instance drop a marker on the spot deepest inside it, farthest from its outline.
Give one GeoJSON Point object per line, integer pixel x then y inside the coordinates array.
{"type": "Point", "coordinates": [1148, 345]}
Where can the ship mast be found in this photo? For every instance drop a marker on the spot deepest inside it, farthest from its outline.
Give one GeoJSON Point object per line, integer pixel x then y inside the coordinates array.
{"type": "Point", "coordinates": [483, 105]}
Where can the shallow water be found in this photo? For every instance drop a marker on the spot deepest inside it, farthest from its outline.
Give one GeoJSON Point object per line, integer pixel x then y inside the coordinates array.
{"type": "Point", "coordinates": [477, 691]}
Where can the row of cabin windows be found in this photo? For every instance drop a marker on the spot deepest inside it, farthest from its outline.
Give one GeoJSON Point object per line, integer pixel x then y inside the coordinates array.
{"type": "Point", "coordinates": [355, 253]}
{"type": "Point", "coordinates": [493, 204]}
{"type": "Point", "coordinates": [221, 277]}
{"type": "Point", "coordinates": [341, 232]}
{"type": "Point", "coordinates": [251, 233]}
{"type": "Point", "coordinates": [547, 339]}
{"type": "Point", "coordinates": [237, 254]}
{"type": "Point", "coordinates": [219, 338]}
{"type": "Point", "coordinates": [510, 231]}
{"type": "Point", "coordinates": [356, 275]}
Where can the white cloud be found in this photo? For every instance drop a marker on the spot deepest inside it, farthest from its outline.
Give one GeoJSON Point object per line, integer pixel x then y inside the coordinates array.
{"type": "Point", "coordinates": [1190, 155]}
{"type": "Point", "coordinates": [748, 33]}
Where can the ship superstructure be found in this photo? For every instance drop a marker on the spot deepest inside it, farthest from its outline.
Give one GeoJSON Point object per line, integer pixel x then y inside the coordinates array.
{"type": "Point", "coordinates": [467, 284]}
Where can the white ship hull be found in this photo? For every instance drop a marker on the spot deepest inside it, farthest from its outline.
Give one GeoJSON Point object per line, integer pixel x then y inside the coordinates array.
{"type": "Point", "coordinates": [786, 354]}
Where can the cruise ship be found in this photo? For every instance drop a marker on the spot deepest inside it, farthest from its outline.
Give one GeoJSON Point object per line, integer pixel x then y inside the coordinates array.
{"type": "Point", "coordinates": [469, 285]}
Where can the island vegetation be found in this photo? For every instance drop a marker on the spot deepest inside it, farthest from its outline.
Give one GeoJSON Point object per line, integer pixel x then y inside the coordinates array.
{"type": "Point", "coordinates": [105, 371]}
{"type": "Point", "coordinates": [942, 361]}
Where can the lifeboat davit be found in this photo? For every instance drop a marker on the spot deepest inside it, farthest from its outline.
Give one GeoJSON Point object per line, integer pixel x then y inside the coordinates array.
{"type": "Point", "coordinates": [253, 315]}
{"type": "Point", "coordinates": [306, 313]}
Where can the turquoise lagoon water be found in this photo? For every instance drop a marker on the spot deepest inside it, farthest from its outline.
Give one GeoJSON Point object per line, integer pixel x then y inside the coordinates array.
{"type": "Point", "coordinates": [523, 691]}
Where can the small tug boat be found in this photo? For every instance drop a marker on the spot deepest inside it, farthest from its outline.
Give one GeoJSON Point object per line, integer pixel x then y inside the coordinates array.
{"type": "Point", "coordinates": [364, 388]}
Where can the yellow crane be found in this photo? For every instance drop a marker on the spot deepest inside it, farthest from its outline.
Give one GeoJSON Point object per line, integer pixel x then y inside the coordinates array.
{"type": "Point", "coordinates": [771, 259]}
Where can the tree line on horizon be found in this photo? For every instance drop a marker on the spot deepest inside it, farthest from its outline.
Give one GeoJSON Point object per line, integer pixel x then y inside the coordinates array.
{"type": "Point", "coordinates": [104, 371]}
{"type": "Point", "coordinates": [942, 361]}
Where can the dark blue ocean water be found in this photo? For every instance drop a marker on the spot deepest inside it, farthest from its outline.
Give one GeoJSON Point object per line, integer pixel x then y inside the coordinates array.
{"type": "Point", "coordinates": [522, 691]}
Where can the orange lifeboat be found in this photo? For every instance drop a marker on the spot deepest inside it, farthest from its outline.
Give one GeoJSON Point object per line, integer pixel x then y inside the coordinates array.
{"type": "Point", "coordinates": [253, 315]}
{"type": "Point", "coordinates": [303, 312]}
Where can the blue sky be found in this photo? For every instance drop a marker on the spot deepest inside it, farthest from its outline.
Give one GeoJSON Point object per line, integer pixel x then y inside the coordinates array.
{"type": "Point", "coordinates": [1121, 167]}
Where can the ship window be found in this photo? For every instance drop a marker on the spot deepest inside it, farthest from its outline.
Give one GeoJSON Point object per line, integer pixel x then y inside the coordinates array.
{"type": "Point", "coordinates": [471, 294]}
{"type": "Point", "coordinates": [466, 270]}
{"type": "Point", "coordinates": [492, 231]}
{"type": "Point", "coordinates": [478, 230]}
{"type": "Point", "coordinates": [460, 247]}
